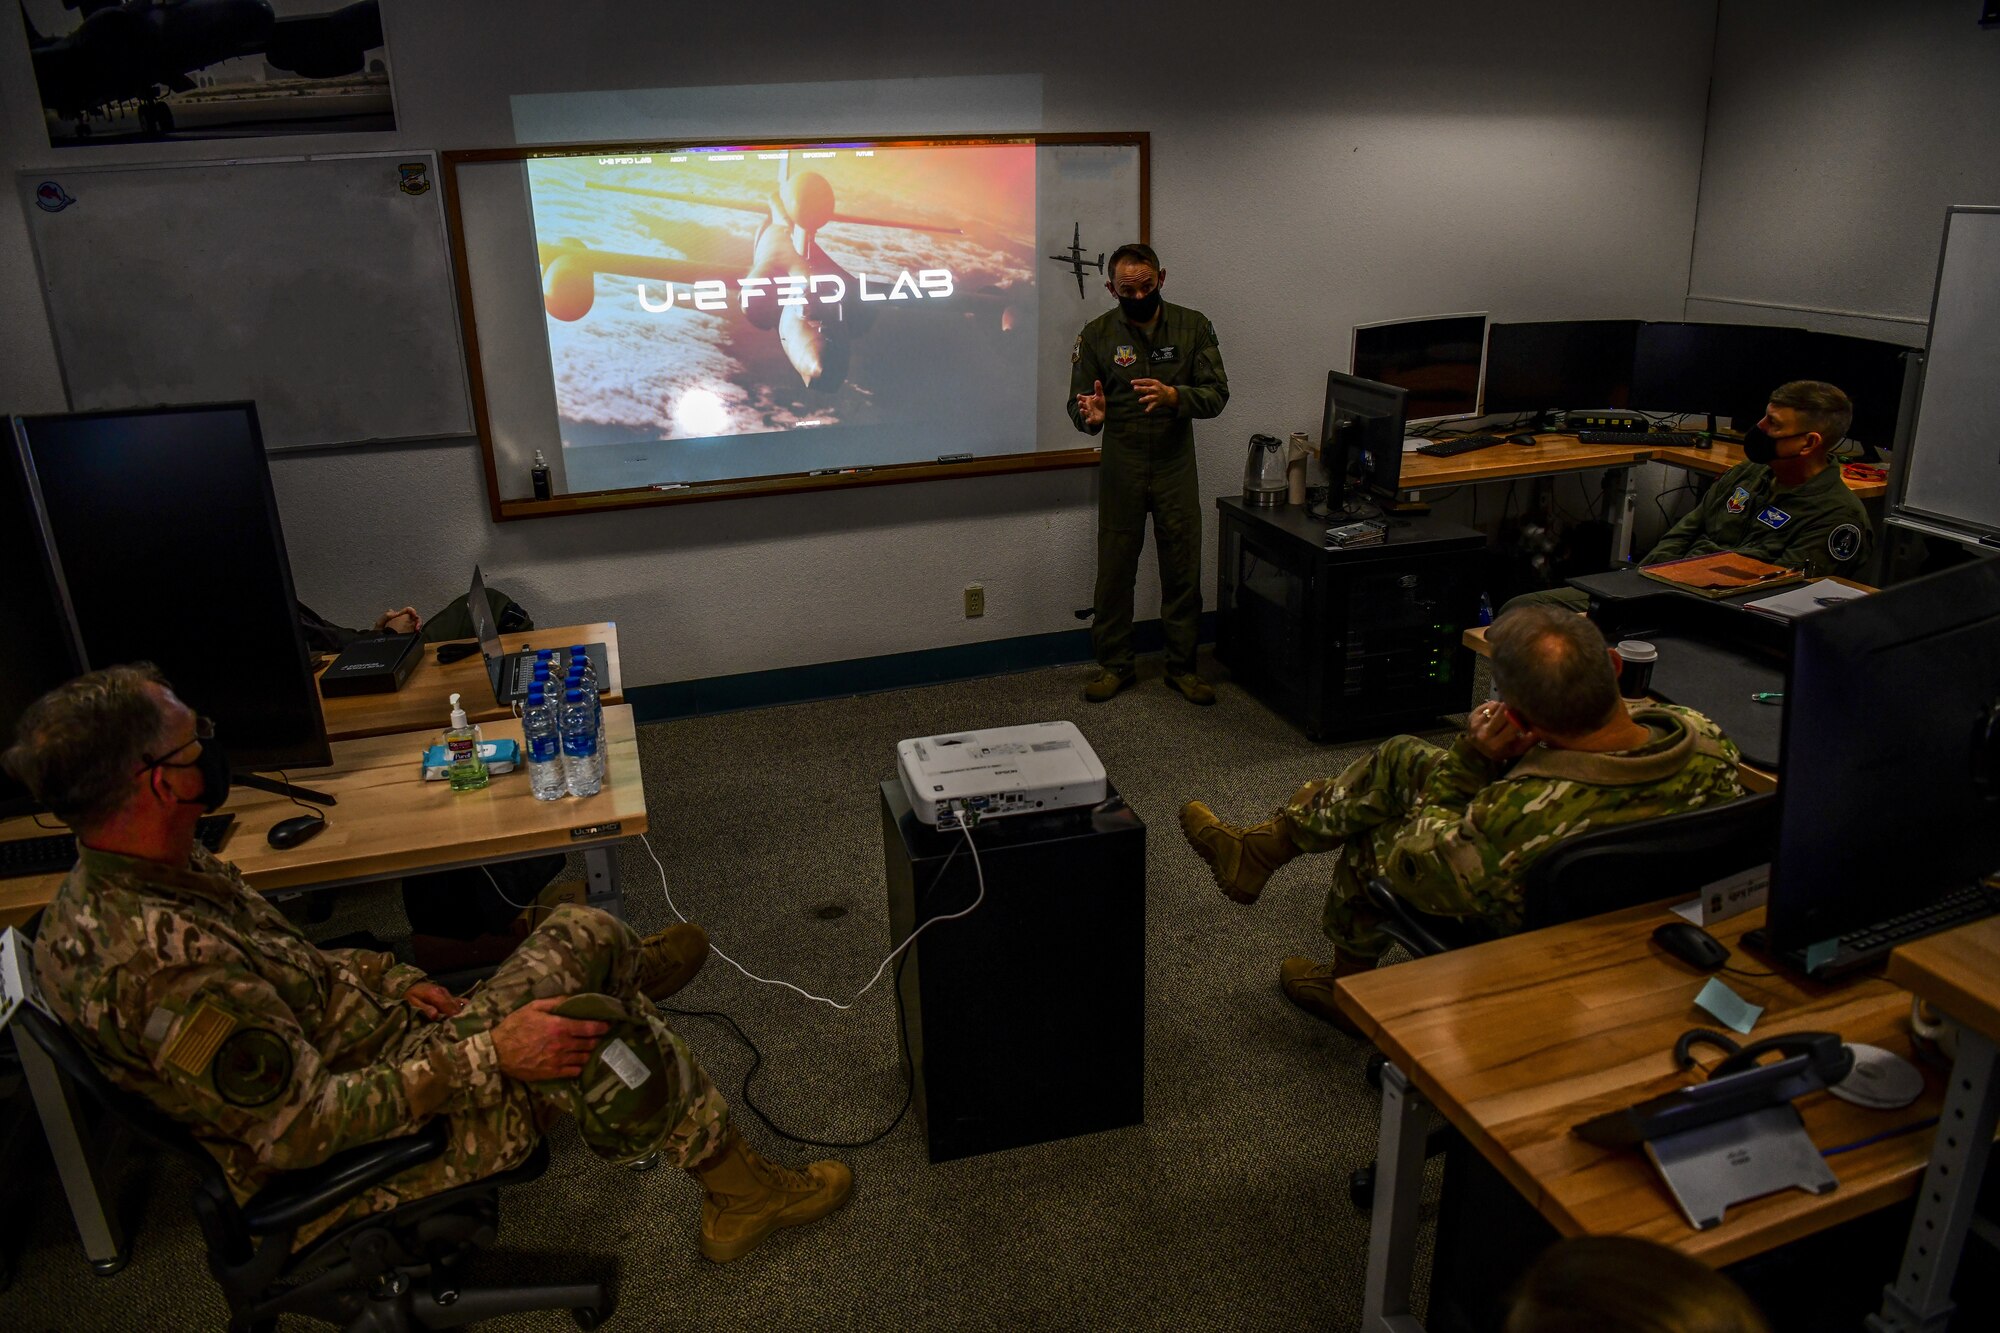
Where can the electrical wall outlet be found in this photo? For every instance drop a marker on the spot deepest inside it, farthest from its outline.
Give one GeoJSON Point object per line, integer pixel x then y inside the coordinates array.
{"type": "Point", "coordinates": [975, 600]}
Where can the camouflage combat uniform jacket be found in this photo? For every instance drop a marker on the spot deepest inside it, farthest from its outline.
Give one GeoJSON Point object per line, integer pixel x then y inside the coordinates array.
{"type": "Point", "coordinates": [1818, 526]}
{"type": "Point", "coordinates": [1455, 833]}
{"type": "Point", "coordinates": [194, 992]}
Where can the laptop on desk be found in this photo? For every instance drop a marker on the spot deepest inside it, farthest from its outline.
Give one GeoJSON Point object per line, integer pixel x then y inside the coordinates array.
{"type": "Point", "coordinates": [512, 673]}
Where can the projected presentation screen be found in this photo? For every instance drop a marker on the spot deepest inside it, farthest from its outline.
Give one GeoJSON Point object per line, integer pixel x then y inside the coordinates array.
{"type": "Point", "coordinates": [725, 312]}
{"type": "Point", "coordinates": [721, 314]}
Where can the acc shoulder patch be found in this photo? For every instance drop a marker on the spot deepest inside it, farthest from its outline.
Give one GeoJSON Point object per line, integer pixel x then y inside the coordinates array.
{"type": "Point", "coordinates": [198, 1039]}
{"type": "Point", "coordinates": [1844, 543]}
{"type": "Point", "coordinates": [1076, 350]}
{"type": "Point", "coordinates": [253, 1067]}
{"type": "Point", "coordinates": [1125, 356]}
{"type": "Point", "coordinates": [1738, 499]}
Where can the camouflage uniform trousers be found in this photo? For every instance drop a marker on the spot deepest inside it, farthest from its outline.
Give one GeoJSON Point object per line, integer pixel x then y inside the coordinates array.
{"type": "Point", "coordinates": [577, 951]}
{"type": "Point", "coordinates": [1360, 813]}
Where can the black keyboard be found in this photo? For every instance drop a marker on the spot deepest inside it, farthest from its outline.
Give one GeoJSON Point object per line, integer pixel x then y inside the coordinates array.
{"type": "Point", "coordinates": [1464, 444]}
{"type": "Point", "coordinates": [1871, 944]}
{"type": "Point", "coordinates": [54, 853]}
{"type": "Point", "coordinates": [1663, 438]}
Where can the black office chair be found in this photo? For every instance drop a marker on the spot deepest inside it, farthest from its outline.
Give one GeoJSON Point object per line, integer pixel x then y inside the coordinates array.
{"type": "Point", "coordinates": [396, 1270]}
{"type": "Point", "coordinates": [1607, 870]}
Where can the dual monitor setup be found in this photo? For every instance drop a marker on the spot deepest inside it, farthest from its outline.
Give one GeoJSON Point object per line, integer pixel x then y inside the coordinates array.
{"type": "Point", "coordinates": [153, 535]}
{"type": "Point", "coordinates": [1460, 367]}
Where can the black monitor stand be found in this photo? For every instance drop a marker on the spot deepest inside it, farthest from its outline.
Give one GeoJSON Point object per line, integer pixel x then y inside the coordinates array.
{"type": "Point", "coordinates": [257, 782]}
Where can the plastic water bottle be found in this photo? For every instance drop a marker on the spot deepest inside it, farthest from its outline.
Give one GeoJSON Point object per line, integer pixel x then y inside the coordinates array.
{"type": "Point", "coordinates": [580, 679]}
{"type": "Point", "coordinates": [543, 734]}
{"type": "Point", "coordinates": [579, 745]}
{"type": "Point", "coordinates": [580, 659]}
{"type": "Point", "coordinates": [1485, 609]}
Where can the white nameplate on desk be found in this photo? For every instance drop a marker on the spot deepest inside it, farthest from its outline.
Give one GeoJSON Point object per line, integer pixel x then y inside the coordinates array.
{"type": "Point", "coordinates": [1728, 897]}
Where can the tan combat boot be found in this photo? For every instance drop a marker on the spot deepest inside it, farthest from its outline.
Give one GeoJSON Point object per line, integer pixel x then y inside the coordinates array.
{"type": "Point", "coordinates": [1309, 985]}
{"type": "Point", "coordinates": [670, 959]}
{"type": "Point", "coordinates": [1107, 683]}
{"type": "Point", "coordinates": [1240, 859]}
{"type": "Point", "coordinates": [749, 1197]}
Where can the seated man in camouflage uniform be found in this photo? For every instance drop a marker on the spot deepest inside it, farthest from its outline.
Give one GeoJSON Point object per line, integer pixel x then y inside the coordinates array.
{"type": "Point", "coordinates": [1455, 830]}
{"type": "Point", "coordinates": [1787, 503]}
{"type": "Point", "coordinates": [190, 990]}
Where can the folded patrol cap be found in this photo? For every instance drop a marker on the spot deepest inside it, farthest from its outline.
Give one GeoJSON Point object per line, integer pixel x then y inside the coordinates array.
{"type": "Point", "coordinates": [632, 1091]}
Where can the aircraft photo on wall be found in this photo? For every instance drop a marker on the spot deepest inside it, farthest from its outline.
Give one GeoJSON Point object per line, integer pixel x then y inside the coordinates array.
{"type": "Point", "coordinates": [126, 71]}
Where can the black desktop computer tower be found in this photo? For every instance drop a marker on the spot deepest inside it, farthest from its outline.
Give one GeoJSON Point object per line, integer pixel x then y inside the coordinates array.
{"type": "Point", "coordinates": [1348, 643]}
{"type": "Point", "coordinates": [1026, 1020]}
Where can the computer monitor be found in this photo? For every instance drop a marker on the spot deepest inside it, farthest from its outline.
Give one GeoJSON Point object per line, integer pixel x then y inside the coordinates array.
{"type": "Point", "coordinates": [1891, 749]}
{"type": "Point", "coordinates": [164, 536]}
{"type": "Point", "coordinates": [1869, 372]}
{"type": "Point", "coordinates": [1360, 437]}
{"type": "Point", "coordinates": [1569, 364]}
{"type": "Point", "coordinates": [1726, 369]}
{"type": "Point", "coordinates": [1437, 361]}
{"type": "Point", "coordinates": [38, 649]}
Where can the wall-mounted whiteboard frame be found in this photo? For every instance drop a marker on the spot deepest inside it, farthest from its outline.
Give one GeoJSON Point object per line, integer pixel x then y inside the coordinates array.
{"type": "Point", "coordinates": [317, 287]}
{"type": "Point", "coordinates": [500, 303]}
{"type": "Point", "coordinates": [1950, 480]}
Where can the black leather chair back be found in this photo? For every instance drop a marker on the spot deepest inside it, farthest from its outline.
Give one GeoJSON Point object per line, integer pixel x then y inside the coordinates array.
{"type": "Point", "coordinates": [1607, 870]}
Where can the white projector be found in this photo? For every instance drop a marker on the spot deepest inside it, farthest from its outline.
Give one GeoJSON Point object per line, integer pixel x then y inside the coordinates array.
{"type": "Point", "coordinates": [1005, 771]}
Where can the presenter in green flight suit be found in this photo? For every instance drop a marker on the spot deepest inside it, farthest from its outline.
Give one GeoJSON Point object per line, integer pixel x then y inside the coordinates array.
{"type": "Point", "coordinates": [1141, 375]}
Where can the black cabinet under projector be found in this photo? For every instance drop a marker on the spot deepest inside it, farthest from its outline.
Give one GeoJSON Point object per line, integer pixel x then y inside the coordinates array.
{"type": "Point", "coordinates": [1026, 1019]}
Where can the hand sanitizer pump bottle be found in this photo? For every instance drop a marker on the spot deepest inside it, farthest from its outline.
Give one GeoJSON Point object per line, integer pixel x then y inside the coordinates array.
{"type": "Point", "coordinates": [468, 770]}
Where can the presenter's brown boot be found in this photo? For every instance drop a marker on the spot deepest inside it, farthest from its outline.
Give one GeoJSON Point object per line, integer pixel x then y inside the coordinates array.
{"type": "Point", "coordinates": [1107, 683]}
{"type": "Point", "coordinates": [749, 1197]}
{"type": "Point", "coordinates": [670, 959]}
{"type": "Point", "coordinates": [1241, 859]}
{"type": "Point", "coordinates": [1309, 985]}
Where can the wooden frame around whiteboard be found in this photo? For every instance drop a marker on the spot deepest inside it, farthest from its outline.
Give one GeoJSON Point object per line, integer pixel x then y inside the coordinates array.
{"type": "Point", "coordinates": [647, 496]}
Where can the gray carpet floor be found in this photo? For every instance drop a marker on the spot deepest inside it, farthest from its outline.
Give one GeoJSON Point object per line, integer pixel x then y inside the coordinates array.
{"type": "Point", "coordinates": [1226, 1209]}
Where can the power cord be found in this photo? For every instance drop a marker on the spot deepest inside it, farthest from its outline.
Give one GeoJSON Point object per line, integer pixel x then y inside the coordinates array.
{"type": "Point", "coordinates": [966, 820]}
{"type": "Point", "coordinates": [899, 954]}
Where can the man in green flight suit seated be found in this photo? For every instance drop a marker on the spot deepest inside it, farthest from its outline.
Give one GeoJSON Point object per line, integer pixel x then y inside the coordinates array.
{"type": "Point", "coordinates": [190, 990]}
{"type": "Point", "coordinates": [1454, 830]}
{"type": "Point", "coordinates": [1787, 504]}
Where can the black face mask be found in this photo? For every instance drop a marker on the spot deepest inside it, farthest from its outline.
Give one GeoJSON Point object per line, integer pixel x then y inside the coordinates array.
{"type": "Point", "coordinates": [1759, 447]}
{"type": "Point", "coordinates": [1141, 308]}
{"type": "Point", "coordinates": [213, 765]}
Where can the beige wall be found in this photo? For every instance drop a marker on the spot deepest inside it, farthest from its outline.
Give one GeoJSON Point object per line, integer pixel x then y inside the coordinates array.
{"type": "Point", "coordinates": [1313, 167]}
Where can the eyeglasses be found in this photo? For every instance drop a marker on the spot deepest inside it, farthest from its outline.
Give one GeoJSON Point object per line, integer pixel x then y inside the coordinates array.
{"type": "Point", "coordinates": [204, 730]}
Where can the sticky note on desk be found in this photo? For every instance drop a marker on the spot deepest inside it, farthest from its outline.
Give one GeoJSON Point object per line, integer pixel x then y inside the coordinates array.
{"type": "Point", "coordinates": [1729, 1007]}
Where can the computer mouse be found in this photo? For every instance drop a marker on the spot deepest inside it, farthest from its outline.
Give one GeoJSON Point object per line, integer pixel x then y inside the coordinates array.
{"type": "Point", "coordinates": [1692, 945]}
{"type": "Point", "coordinates": [1522, 437]}
{"type": "Point", "coordinates": [289, 833]}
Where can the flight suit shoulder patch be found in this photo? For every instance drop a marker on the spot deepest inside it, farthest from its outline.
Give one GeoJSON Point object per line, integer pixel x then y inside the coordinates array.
{"type": "Point", "coordinates": [1076, 350]}
{"type": "Point", "coordinates": [1844, 543]}
{"type": "Point", "coordinates": [253, 1067]}
{"type": "Point", "coordinates": [1738, 500]}
{"type": "Point", "coordinates": [194, 1046]}
{"type": "Point", "coordinates": [1125, 356]}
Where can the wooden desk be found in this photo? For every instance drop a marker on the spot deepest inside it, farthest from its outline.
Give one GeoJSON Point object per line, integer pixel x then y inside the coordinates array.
{"type": "Point", "coordinates": [424, 700]}
{"type": "Point", "coordinates": [1550, 455]}
{"type": "Point", "coordinates": [389, 822]}
{"type": "Point", "coordinates": [1958, 972]}
{"type": "Point", "coordinates": [1724, 455]}
{"type": "Point", "coordinates": [1517, 1040]}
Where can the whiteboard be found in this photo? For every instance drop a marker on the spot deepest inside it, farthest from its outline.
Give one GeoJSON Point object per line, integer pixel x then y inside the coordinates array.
{"type": "Point", "coordinates": [318, 288]}
{"type": "Point", "coordinates": [1952, 475]}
